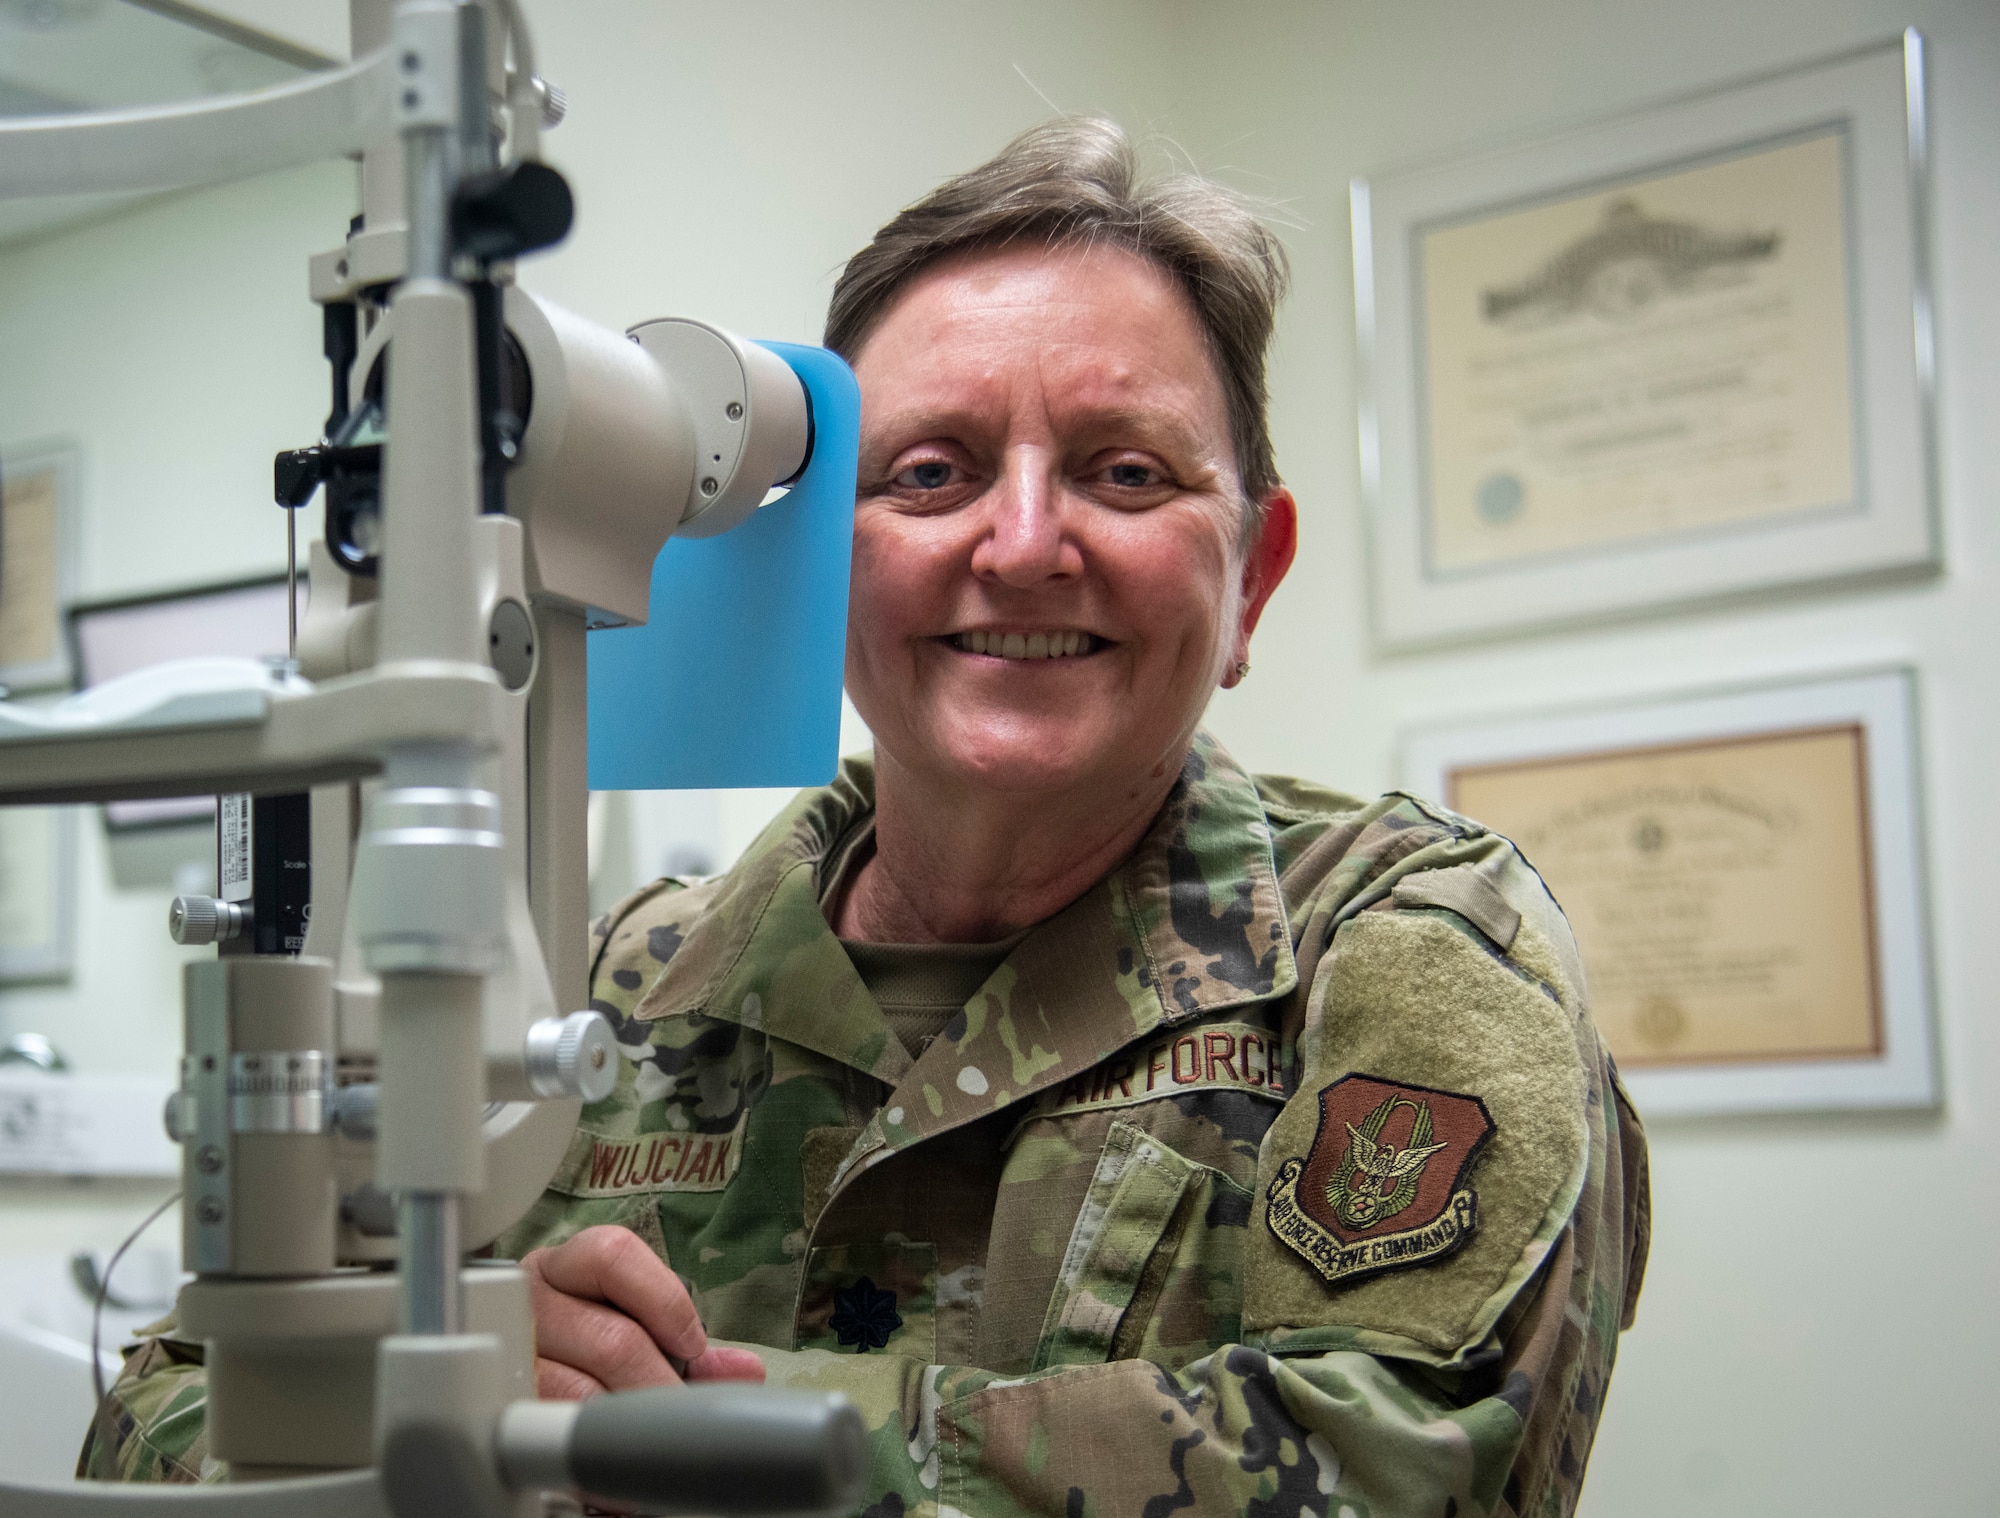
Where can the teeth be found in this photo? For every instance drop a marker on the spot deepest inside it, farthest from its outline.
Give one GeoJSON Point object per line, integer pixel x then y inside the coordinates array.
{"type": "Point", "coordinates": [1040, 645]}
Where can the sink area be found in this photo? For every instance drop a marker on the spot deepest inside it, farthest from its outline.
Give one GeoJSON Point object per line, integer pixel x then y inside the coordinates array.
{"type": "Point", "coordinates": [45, 1389]}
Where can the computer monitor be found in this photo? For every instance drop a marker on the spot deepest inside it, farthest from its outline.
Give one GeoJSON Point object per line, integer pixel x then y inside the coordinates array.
{"type": "Point", "coordinates": [113, 638]}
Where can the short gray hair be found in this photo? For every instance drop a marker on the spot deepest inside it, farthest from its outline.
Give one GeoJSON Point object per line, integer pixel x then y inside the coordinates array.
{"type": "Point", "coordinates": [1075, 180]}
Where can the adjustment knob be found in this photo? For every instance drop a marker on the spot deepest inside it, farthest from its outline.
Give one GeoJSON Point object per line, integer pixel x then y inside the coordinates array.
{"type": "Point", "coordinates": [572, 1056]}
{"type": "Point", "coordinates": [204, 919]}
{"type": "Point", "coordinates": [551, 101]}
{"type": "Point", "coordinates": [357, 1111]}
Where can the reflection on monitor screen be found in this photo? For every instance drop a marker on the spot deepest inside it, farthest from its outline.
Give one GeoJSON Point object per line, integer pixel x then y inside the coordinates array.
{"type": "Point", "coordinates": [114, 638]}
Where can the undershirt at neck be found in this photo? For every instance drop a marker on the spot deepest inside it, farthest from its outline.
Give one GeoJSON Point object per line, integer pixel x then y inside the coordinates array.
{"type": "Point", "coordinates": [918, 986]}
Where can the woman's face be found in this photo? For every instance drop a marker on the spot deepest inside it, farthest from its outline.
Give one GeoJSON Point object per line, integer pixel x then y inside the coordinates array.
{"type": "Point", "coordinates": [1049, 579]}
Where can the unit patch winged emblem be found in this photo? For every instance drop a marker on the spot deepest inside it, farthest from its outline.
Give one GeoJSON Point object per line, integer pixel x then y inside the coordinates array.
{"type": "Point", "coordinates": [1383, 1185]}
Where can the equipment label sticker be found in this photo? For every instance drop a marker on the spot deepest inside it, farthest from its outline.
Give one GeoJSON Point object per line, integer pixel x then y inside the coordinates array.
{"type": "Point", "coordinates": [232, 834]}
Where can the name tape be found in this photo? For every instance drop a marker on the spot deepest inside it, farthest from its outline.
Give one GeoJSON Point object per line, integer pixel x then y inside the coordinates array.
{"type": "Point", "coordinates": [597, 1166]}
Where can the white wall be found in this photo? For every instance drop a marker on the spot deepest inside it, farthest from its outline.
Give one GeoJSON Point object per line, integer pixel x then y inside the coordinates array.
{"type": "Point", "coordinates": [1819, 1313]}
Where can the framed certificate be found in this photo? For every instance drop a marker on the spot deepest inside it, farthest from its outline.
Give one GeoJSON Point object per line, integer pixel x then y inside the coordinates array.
{"type": "Point", "coordinates": [1743, 873]}
{"type": "Point", "coordinates": [37, 892]}
{"type": "Point", "coordinates": [1679, 356]}
{"type": "Point", "coordinates": [37, 564]}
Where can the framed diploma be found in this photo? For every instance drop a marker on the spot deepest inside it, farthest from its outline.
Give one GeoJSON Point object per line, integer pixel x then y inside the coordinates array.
{"type": "Point", "coordinates": [1679, 356]}
{"type": "Point", "coordinates": [37, 892]}
{"type": "Point", "coordinates": [1744, 876]}
{"type": "Point", "coordinates": [37, 564]}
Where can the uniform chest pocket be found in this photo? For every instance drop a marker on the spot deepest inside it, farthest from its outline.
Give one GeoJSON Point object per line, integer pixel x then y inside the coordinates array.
{"type": "Point", "coordinates": [1140, 1255]}
{"type": "Point", "coordinates": [861, 1298]}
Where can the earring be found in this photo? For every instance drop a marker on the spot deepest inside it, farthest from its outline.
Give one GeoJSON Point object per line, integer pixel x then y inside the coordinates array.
{"type": "Point", "coordinates": [1242, 669]}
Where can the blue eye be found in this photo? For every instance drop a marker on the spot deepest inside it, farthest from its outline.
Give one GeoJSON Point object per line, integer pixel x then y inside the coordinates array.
{"type": "Point", "coordinates": [1129, 476]}
{"type": "Point", "coordinates": [932, 474]}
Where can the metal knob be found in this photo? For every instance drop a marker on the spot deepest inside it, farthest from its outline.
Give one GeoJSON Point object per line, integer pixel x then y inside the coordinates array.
{"type": "Point", "coordinates": [204, 919]}
{"type": "Point", "coordinates": [551, 100]}
{"type": "Point", "coordinates": [357, 1110]}
{"type": "Point", "coordinates": [572, 1056]}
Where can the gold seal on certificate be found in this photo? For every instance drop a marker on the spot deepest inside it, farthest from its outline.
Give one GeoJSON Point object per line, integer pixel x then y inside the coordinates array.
{"type": "Point", "coordinates": [1719, 890]}
{"type": "Point", "coordinates": [1669, 354]}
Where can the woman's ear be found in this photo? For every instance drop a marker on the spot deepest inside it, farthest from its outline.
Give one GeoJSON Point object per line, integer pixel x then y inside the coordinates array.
{"type": "Point", "coordinates": [1270, 554]}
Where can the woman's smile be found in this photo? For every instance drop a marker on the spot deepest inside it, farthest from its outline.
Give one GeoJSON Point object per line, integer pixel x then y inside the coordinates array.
{"type": "Point", "coordinates": [1018, 646]}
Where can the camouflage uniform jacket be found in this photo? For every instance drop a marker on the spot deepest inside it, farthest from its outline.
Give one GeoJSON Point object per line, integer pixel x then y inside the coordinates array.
{"type": "Point", "coordinates": [1282, 1172]}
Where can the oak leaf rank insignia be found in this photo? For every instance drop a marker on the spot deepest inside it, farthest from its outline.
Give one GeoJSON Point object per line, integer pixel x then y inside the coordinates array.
{"type": "Point", "coordinates": [865, 1316]}
{"type": "Point", "coordinates": [1383, 1185]}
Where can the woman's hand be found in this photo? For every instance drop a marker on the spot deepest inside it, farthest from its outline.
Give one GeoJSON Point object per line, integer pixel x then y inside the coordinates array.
{"type": "Point", "coordinates": [610, 1316]}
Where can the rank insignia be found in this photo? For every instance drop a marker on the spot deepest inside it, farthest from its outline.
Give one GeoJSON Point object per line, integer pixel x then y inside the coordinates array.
{"type": "Point", "coordinates": [1383, 1185]}
{"type": "Point", "coordinates": [865, 1316]}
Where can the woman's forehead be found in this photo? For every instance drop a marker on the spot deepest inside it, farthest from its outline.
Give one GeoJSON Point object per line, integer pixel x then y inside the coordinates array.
{"type": "Point", "coordinates": [1050, 285]}
{"type": "Point", "coordinates": [1095, 329]}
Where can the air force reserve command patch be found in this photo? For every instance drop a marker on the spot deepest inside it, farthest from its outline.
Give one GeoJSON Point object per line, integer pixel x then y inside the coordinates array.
{"type": "Point", "coordinates": [1383, 1185]}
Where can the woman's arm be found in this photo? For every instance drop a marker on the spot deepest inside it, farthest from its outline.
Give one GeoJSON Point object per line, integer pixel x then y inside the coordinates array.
{"type": "Point", "coordinates": [1240, 1431]}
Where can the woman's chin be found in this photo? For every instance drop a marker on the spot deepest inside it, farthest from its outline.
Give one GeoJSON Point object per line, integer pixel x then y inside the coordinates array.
{"type": "Point", "coordinates": [1026, 758]}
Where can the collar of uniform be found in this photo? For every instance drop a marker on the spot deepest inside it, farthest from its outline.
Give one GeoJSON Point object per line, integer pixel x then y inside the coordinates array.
{"type": "Point", "coordinates": [762, 954]}
{"type": "Point", "coordinates": [1201, 893]}
{"type": "Point", "coordinates": [1191, 923]}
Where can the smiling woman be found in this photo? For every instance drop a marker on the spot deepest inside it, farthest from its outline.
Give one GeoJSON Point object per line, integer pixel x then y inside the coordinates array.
{"type": "Point", "coordinates": [1046, 464]}
{"type": "Point", "coordinates": [1123, 1132]}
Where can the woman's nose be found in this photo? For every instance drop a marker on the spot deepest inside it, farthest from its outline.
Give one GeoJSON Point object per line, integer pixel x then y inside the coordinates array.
{"type": "Point", "coordinates": [1026, 542]}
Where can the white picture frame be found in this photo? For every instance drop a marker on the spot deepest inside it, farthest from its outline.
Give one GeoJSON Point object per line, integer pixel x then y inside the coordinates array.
{"type": "Point", "coordinates": [1680, 507]}
{"type": "Point", "coordinates": [1902, 1071]}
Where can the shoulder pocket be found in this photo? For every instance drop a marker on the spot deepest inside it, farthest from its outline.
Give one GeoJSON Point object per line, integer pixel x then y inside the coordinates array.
{"type": "Point", "coordinates": [1465, 891]}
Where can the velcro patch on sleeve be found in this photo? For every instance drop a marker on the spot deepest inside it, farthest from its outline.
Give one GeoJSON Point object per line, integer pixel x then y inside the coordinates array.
{"type": "Point", "coordinates": [601, 1166]}
{"type": "Point", "coordinates": [1432, 1151]}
